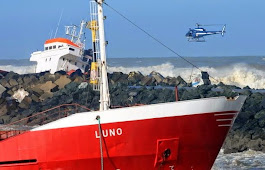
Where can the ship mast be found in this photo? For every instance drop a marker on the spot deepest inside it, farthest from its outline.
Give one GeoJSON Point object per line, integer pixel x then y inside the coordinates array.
{"type": "Point", "coordinates": [98, 37]}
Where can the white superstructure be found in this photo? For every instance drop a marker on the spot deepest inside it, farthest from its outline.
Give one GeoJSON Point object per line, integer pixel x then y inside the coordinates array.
{"type": "Point", "coordinates": [62, 53]}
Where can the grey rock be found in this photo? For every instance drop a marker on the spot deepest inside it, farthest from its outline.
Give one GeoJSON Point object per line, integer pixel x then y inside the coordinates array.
{"type": "Point", "coordinates": [11, 75]}
{"type": "Point", "coordinates": [13, 82]}
{"type": "Point", "coordinates": [25, 103]}
{"type": "Point", "coordinates": [5, 83]}
{"type": "Point", "coordinates": [3, 109]}
{"type": "Point", "coordinates": [133, 93]}
{"type": "Point", "coordinates": [147, 81]}
{"type": "Point", "coordinates": [30, 79]}
{"type": "Point", "coordinates": [20, 80]}
{"type": "Point", "coordinates": [78, 79]}
{"type": "Point", "coordinates": [45, 96]}
{"type": "Point", "coordinates": [58, 74]}
{"type": "Point", "coordinates": [35, 98]}
{"type": "Point", "coordinates": [157, 76]}
{"type": "Point", "coordinates": [2, 90]}
{"type": "Point", "coordinates": [176, 81]}
{"type": "Point", "coordinates": [135, 77]}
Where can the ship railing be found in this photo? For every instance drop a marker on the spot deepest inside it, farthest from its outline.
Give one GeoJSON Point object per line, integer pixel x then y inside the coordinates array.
{"type": "Point", "coordinates": [40, 118]}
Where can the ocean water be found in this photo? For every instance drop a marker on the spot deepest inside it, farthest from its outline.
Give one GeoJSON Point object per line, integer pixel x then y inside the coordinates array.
{"type": "Point", "coordinates": [239, 71]}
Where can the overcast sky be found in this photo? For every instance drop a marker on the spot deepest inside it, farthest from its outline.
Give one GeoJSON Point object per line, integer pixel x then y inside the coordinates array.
{"type": "Point", "coordinates": [25, 25]}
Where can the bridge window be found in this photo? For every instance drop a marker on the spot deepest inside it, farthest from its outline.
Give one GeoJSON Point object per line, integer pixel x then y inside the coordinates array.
{"type": "Point", "coordinates": [71, 49]}
{"type": "Point", "coordinates": [46, 48]}
{"type": "Point", "coordinates": [50, 47]}
{"type": "Point", "coordinates": [54, 47]}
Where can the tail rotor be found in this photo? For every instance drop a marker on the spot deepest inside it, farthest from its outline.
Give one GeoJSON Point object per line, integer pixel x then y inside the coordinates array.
{"type": "Point", "coordinates": [223, 30]}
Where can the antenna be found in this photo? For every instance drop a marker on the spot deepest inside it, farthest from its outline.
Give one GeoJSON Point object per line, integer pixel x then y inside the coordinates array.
{"type": "Point", "coordinates": [58, 23]}
{"type": "Point", "coordinates": [51, 34]}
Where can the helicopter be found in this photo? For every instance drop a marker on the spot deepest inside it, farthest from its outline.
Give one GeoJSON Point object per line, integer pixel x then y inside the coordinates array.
{"type": "Point", "coordinates": [197, 34]}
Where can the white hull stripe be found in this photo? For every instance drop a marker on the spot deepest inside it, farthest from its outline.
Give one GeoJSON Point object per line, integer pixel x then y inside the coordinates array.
{"type": "Point", "coordinates": [227, 125]}
{"type": "Point", "coordinates": [225, 114]}
{"type": "Point", "coordinates": [220, 120]}
{"type": "Point", "coordinates": [180, 108]}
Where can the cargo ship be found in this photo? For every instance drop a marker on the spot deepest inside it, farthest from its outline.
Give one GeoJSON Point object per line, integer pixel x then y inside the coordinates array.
{"type": "Point", "coordinates": [63, 53]}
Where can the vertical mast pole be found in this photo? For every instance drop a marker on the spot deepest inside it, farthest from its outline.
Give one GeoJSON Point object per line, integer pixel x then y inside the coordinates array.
{"type": "Point", "coordinates": [104, 89]}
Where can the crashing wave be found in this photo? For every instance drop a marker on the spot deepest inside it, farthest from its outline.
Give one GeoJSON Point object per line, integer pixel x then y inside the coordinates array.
{"type": "Point", "coordinates": [19, 69]}
{"type": "Point", "coordinates": [239, 74]}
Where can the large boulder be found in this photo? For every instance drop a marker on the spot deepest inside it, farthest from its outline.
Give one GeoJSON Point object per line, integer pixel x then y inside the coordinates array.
{"type": "Point", "coordinates": [13, 82]}
{"type": "Point", "coordinates": [3, 73]}
{"type": "Point", "coordinates": [48, 86]}
{"type": "Point", "coordinates": [30, 79]}
{"type": "Point", "coordinates": [118, 77]}
{"type": "Point", "coordinates": [46, 76]}
{"type": "Point", "coordinates": [77, 73]}
{"type": "Point", "coordinates": [20, 94]}
{"type": "Point", "coordinates": [45, 96]}
{"type": "Point", "coordinates": [35, 98]}
{"type": "Point", "coordinates": [36, 90]}
{"type": "Point", "coordinates": [175, 81]}
{"type": "Point", "coordinates": [157, 76]}
{"type": "Point", "coordinates": [5, 83]}
{"type": "Point", "coordinates": [62, 81]}
{"type": "Point", "coordinates": [78, 79]}
{"type": "Point", "coordinates": [135, 77]}
{"type": "Point", "coordinates": [3, 109]}
{"type": "Point", "coordinates": [11, 75]}
{"type": "Point", "coordinates": [58, 74]}
{"type": "Point", "coordinates": [115, 76]}
{"type": "Point", "coordinates": [25, 103]}
{"type": "Point", "coordinates": [2, 90]}
{"type": "Point", "coordinates": [147, 81]}
{"type": "Point", "coordinates": [20, 80]}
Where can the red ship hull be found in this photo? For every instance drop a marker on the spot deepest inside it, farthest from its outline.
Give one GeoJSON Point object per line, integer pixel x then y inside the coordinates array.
{"type": "Point", "coordinates": [193, 141]}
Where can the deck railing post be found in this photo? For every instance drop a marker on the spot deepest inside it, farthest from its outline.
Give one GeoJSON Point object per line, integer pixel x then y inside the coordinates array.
{"type": "Point", "coordinates": [60, 112]}
{"type": "Point", "coordinates": [176, 93]}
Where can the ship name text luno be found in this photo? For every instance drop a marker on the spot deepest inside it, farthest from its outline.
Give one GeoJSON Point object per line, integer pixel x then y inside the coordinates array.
{"type": "Point", "coordinates": [109, 132]}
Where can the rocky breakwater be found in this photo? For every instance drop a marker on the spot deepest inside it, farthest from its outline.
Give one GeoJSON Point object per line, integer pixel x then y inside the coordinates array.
{"type": "Point", "coordinates": [26, 95]}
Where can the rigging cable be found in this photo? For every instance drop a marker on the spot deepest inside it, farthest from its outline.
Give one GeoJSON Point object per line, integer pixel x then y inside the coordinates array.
{"type": "Point", "coordinates": [101, 138]}
{"type": "Point", "coordinates": [100, 143]}
{"type": "Point", "coordinates": [157, 40]}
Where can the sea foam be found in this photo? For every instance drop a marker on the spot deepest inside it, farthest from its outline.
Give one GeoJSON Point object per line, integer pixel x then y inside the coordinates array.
{"type": "Point", "coordinates": [250, 159]}
{"type": "Point", "coordinates": [239, 74]}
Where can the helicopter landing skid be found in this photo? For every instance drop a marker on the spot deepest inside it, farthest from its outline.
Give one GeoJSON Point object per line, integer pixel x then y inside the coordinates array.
{"type": "Point", "coordinates": [196, 40]}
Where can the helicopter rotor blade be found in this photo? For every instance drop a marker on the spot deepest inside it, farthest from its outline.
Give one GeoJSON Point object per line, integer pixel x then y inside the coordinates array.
{"type": "Point", "coordinates": [211, 24]}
